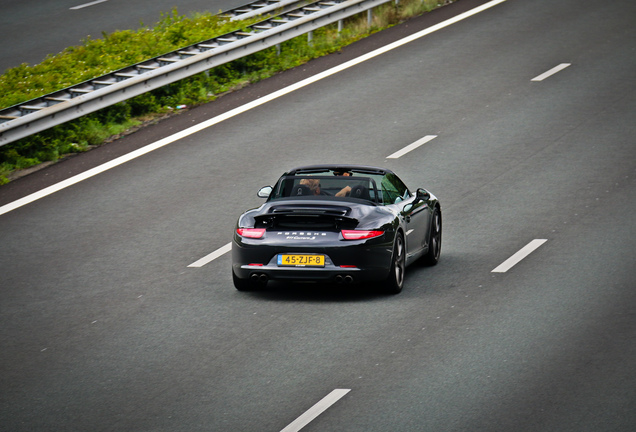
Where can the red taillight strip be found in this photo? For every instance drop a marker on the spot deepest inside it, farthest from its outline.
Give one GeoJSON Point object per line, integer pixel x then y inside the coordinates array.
{"type": "Point", "coordinates": [254, 233]}
{"type": "Point", "coordinates": [360, 234]}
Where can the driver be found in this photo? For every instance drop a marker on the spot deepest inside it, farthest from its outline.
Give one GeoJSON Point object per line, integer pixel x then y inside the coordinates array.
{"type": "Point", "coordinates": [347, 189]}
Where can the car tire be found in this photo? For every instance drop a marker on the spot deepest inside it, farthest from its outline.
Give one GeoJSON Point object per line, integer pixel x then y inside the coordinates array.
{"type": "Point", "coordinates": [395, 282]}
{"type": "Point", "coordinates": [434, 240]}
{"type": "Point", "coordinates": [242, 284]}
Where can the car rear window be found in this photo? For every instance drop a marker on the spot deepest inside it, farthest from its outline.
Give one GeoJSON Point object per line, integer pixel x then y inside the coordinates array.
{"type": "Point", "coordinates": [337, 187]}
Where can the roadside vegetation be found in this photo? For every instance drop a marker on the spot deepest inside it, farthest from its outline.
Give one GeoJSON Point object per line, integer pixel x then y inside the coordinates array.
{"type": "Point", "coordinates": [97, 57]}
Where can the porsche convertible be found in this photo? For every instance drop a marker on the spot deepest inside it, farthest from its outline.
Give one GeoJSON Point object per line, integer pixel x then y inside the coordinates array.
{"type": "Point", "coordinates": [339, 224]}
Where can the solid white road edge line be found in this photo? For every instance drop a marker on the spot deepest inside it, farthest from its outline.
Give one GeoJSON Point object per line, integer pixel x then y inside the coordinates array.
{"type": "Point", "coordinates": [412, 147]}
{"type": "Point", "coordinates": [524, 252]}
{"type": "Point", "coordinates": [316, 410]}
{"type": "Point", "coordinates": [236, 111]}
{"type": "Point", "coordinates": [88, 4]}
{"type": "Point", "coordinates": [211, 257]}
{"type": "Point", "coordinates": [551, 72]}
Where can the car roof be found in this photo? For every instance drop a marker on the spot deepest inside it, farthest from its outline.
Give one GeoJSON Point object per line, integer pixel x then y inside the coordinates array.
{"type": "Point", "coordinates": [338, 167]}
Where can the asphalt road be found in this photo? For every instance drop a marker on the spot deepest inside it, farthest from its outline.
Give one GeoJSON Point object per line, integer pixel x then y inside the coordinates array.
{"type": "Point", "coordinates": [32, 29]}
{"type": "Point", "coordinates": [105, 327]}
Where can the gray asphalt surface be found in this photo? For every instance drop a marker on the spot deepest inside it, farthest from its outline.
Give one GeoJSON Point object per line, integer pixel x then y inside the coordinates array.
{"type": "Point", "coordinates": [32, 29]}
{"type": "Point", "coordinates": [105, 327]}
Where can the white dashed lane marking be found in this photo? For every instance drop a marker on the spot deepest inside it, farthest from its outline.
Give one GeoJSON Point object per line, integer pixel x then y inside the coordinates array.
{"type": "Point", "coordinates": [211, 257]}
{"type": "Point", "coordinates": [412, 147]}
{"type": "Point", "coordinates": [551, 72]}
{"type": "Point", "coordinates": [516, 258]}
{"type": "Point", "coordinates": [316, 410]}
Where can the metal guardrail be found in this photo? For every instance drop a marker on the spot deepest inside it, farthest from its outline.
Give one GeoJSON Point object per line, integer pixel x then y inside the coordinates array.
{"type": "Point", "coordinates": [262, 7]}
{"type": "Point", "coordinates": [62, 106]}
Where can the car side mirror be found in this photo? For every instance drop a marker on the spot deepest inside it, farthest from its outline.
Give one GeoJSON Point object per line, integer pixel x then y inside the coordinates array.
{"type": "Point", "coordinates": [407, 208]}
{"type": "Point", "coordinates": [422, 195]}
{"type": "Point", "coordinates": [265, 192]}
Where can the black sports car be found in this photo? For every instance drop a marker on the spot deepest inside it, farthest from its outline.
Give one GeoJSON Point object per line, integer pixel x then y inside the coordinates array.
{"type": "Point", "coordinates": [336, 223]}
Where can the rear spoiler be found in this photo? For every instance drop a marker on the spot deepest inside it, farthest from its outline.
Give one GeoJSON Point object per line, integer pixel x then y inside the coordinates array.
{"type": "Point", "coordinates": [308, 210]}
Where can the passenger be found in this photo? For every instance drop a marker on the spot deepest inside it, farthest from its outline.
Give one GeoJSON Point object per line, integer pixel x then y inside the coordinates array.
{"type": "Point", "coordinates": [313, 185]}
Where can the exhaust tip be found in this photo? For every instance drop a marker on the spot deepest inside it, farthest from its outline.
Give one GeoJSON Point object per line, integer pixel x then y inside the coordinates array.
{"type": "Point", "coordinates": [348, 279]}
{"type": "Point", "coordinates": [259, 278]}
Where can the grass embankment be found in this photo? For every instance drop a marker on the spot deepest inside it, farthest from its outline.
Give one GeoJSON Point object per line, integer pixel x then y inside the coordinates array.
{"type": "Point", "coordinates": [97, 57]}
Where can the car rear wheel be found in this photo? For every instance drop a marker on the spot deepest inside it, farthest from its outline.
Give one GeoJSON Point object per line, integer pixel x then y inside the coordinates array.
{"type": "Point", "coordinates": [434, 240]}
{"type": "Point", "coordinates": [395, 282]}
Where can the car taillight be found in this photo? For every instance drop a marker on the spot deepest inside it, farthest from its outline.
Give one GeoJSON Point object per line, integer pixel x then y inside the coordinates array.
{"type": "Point", "coordinates": [360, 234]}
{"type": "Point", "coordinates": [254, 233]}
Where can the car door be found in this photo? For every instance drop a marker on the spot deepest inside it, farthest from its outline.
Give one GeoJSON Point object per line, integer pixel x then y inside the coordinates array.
{"type": "Point", "coordinates": [417, 222]}
{"type": "Point", "coordinates": [395, 192]}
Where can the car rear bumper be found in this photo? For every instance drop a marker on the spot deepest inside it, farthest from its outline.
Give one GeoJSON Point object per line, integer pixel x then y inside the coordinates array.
{"type": "Point", "coordinates": [348, 262]}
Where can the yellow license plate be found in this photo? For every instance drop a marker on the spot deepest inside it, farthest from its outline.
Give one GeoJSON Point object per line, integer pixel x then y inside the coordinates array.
{"type": "Point", "coordinates": [297, 260]}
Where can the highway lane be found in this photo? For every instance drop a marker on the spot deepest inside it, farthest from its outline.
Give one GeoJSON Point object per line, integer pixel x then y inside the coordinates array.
{"type": "Point", "coordinates": [102, 317]}
{"type": "Point", "coordinates": [31, 30]}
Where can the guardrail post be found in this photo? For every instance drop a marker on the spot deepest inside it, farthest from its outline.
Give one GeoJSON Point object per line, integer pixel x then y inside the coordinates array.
{"type": "Point", "coordinates": [310, 37]}
{"type": "Point", "coordinates": [369, 17]}
{"type": "Point", "coordinates": [339, 26]}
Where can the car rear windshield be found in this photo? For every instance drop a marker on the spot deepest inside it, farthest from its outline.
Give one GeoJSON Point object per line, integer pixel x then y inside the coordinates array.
{"type": "Point", "coordinates": [336, 187]}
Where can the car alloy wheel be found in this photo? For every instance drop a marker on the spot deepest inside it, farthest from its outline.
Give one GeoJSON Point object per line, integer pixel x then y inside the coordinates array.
{"type": "Point", "coordinates": [434, 240]}
{"type": "Point", "coordinates": [395, 281]}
